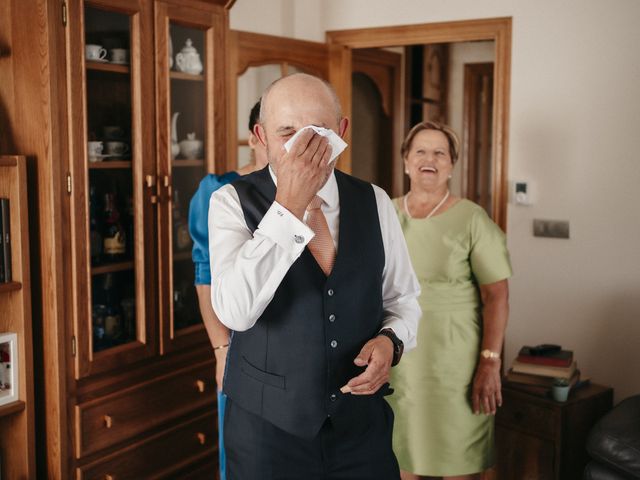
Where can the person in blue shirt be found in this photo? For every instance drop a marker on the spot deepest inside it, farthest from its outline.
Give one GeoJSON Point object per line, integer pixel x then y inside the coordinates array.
{"type": "Point", "coordinates": [199, 230]}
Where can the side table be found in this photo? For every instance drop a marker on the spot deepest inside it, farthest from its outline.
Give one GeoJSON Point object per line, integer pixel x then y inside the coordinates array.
{"type": "Point", "coordinates": [540, 439]}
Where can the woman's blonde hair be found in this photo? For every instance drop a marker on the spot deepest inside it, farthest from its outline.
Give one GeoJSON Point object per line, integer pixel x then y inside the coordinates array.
{"type": "Point", "coordinates": [452, 138]}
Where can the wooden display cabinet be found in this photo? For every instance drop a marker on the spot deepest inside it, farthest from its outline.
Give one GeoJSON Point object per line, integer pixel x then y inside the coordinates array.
{"type": "Point", "coordinates": [17, 439]}
{"type": "Point", "coordinates": [123, 363]}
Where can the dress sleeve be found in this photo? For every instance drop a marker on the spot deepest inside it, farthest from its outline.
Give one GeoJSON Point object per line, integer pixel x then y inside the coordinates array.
{"type": "Point", "coordinates": [198, 224]}
{"type": "Point", "coordinates": [489, 256]}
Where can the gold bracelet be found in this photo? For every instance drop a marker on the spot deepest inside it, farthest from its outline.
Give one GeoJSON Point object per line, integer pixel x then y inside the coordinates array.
{"type": "Point", "coordinates": [221, 346]}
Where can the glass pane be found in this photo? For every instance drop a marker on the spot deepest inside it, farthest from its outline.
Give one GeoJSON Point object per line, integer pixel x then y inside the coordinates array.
{"type": "Point", "coordinates": [111, 195]}
{"type": "Point", "coordinates": [188, 151]}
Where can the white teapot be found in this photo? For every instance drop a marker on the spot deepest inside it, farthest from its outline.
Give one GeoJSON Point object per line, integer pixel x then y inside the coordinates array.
{"type": "Point", "coordinates": [188, 60]}
{"type": "Point", "coordinates": [191, 147]}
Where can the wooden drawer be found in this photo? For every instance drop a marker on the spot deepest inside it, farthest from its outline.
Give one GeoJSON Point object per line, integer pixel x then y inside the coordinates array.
{"type": "Point", "coordinates": [161, 455]}
{"type": "Point", "coordinates": [106, 421]}
{"type": "Point", "coordinates": [527, 417]}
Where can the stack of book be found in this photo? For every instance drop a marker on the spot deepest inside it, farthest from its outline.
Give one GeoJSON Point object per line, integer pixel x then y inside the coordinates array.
{"type": "Point", "coordinates": [5, 242]}
{"type": "Point", "coordinates": [535, 369]}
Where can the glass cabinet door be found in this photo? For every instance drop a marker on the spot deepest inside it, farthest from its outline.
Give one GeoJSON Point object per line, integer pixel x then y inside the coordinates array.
{"type": "Point", "coordinates": [187, 50]}
{"type": "Point", "coordinates": [112, 147]}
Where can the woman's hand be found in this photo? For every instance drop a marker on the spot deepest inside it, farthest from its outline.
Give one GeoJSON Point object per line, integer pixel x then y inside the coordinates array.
{"type": "Point", "coordinates": [486, 394]}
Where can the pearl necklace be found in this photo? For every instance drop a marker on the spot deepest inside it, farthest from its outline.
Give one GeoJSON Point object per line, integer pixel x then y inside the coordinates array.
{"type": "Point", "coordinates": [435, 209]}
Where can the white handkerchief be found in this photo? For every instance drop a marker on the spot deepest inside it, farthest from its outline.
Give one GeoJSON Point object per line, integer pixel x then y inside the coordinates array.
{"type": "Point", "coordinates": [337, 144]}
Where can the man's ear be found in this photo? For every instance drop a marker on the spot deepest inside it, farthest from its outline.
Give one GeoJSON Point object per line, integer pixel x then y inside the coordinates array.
{"type": "Point", "coordinates": [258, 131]}
{"type": "Point", "coordinates": [342, 128]}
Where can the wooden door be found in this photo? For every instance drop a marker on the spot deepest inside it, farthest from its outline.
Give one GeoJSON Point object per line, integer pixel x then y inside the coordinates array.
{"type": "Point", "coordinates": [112, 152]}
{"type": "Point", "coordinates": [477, 133]}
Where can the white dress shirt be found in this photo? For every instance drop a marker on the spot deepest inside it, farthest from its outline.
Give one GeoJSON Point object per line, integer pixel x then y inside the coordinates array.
{"type": "Point", "coordinates": [246, 268]}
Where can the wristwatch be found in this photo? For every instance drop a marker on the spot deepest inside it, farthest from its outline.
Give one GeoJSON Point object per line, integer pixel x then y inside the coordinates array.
{"type": "Point", "coordinates": [398, 346]}
{"type": "Point", "coordinates": [488, 354]}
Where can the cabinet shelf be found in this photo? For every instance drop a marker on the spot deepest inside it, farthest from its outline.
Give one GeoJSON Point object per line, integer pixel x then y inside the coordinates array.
{"type": "Point", "coordinates": [107, 67]}
{"type": "Point", "coordinates": [10, 286]}
{"type": "Point", "coordinates": [112, 267]}
{"type": "Point", "coordinates": [188, 163]}
{"type": "Point", "coordinates": [186, 76]}
{"type": "Point", "coordinates": [11, 408]}
{"type": "Point", "coordinates": [111, 165]}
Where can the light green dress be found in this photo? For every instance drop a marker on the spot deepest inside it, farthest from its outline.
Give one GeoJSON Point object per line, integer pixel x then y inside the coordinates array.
{"type": "Point", "coordinates": [435, 431]}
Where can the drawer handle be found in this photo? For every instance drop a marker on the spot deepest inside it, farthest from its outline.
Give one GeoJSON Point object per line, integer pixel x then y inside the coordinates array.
{"type": "Point", "coordinates": [200, 384]}
{"type": "Point", "coordinates": [108, 421]}
{"type": "Point", "coordinates": [202, 438]}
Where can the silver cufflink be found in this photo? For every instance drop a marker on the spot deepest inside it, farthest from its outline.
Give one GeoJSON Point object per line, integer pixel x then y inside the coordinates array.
{"type": "Point", "coordinates": [298, 238]}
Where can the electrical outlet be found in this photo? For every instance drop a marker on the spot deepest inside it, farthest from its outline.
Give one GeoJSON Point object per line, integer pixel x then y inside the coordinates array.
{"type": "Point", "coordinates": [551, 228]}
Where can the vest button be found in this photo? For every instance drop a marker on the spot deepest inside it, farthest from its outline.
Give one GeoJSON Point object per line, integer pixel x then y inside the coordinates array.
{"type": "Point", "coordinates": [332, 318]}
{"type": "Point", "coordinates": [333, 397]}
{"type": "Point", "coordinates": [334, 344]}
{"type": "Point", "coordinates": [330, 292]}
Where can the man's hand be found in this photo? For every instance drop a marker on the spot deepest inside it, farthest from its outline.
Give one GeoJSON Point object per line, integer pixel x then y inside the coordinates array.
{"type": "Point", "coordinates": [486, 394]}
{"type": "Point", "coordinates": [377, 355]}
{"type": "Point", "coordinates": [303, 171]}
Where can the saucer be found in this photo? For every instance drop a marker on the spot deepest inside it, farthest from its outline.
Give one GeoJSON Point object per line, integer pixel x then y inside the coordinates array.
{"type": "Point", "coordinates": [99, 158]}
{"type": "Point", "coordinates": [98, 60]}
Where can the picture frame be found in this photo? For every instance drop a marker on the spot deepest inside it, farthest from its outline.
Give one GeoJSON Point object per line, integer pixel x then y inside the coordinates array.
{"type": "Point", "coordinates": [8, 368]}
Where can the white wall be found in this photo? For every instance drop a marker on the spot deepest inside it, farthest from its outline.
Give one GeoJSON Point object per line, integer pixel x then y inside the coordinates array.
{"type": "Point", "coordinates": [575, 112]}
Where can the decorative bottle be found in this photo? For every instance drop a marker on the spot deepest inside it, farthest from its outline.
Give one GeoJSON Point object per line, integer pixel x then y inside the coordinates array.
{"type": "Point", "coordinates": [181, 237]}
{"type": "Point", "coordinates": [114, 243]}
{"type": "Point", "coordinates": [113, 313]}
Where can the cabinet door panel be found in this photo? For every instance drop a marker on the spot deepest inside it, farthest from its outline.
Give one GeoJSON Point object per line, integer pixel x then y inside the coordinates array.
{"type": "Point", "coordinates": [523, 457]}
{"type": "Point", "coordinates": [111, 210]}
{"type": "Point", "coordinates": [190, 50]}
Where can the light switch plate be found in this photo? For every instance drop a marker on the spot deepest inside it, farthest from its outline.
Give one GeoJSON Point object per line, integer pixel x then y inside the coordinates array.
{"type": "Point", "coordinates": [551, 228]}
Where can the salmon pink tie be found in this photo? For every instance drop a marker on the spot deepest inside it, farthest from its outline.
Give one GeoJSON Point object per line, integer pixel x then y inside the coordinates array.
{"type": "Point", "coordinates": [321, 245]}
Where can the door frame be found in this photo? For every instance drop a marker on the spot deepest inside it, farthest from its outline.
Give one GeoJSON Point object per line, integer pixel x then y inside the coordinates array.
{"type": "Point", "coordinates": [342, 42]}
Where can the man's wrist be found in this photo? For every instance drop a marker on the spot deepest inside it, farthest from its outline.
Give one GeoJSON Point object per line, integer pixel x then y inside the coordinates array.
{"type": "Point", "coordinates": [398, 345]}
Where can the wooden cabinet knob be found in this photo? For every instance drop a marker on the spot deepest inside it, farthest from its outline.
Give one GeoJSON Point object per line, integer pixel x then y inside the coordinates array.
{"type": "Point", "coordinates": [201, 385]}
{"type": "Point", "coordinates": [109, 477]}
{"type": "Point", "coordinates": [108, 421]}
{"type": "Point", "coordinates": [202, 438]}
{"type": "Point", "coordinates": [150, 180]}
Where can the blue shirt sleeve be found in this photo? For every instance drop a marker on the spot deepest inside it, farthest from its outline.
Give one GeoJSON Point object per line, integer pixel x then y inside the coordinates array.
{"type": "Point", "coordinates": [199, 223]}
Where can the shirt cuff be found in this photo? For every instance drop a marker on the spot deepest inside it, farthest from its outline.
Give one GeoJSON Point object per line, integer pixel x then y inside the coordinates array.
{"type": "Point", "coordinates": [285, 229]}
{"type": "Point", "coordinates": [401, 332]}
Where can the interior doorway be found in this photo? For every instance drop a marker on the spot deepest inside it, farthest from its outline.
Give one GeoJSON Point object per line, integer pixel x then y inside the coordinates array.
{"type": "Point", "coordinates": [344, 44]}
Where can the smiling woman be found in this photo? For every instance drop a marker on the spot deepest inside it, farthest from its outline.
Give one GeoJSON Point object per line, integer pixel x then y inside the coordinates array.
{"type": "Point", "coordinates": [460, 256]}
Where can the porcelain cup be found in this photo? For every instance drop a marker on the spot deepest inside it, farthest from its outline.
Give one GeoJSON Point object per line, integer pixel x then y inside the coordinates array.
{"type": "Point", "coordinates": [117, 149]}
{"type": "Point", "coordinates": [95, 52]}
{"type": "Point", "coordinates": [119, 55]}
{"type": "Point", "coordinates": [94, 150]}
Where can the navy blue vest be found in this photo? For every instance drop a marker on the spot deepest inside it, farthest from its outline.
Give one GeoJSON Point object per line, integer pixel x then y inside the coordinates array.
{"type": "Point", "coordinates": [289, 367]}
